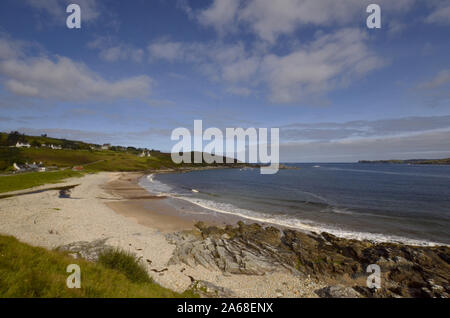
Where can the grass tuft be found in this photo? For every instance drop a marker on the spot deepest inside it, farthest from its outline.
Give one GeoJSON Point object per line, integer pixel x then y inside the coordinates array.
{"type": "Point", "coordinates": [126, 263]}
{"type": "Point", "coordinates": [27, 271]}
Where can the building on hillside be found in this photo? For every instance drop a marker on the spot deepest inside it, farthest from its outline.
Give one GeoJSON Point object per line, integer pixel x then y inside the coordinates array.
{"type": "Point", "coordinates": [55, 147]}
{"type": "Point", "coordinates": [22, 145]}
{"type": "Point", "coordinates": [29, 167]}
{"type": "Point", "coordinates": [145, 153]}
{"type": "Point", "coordinates": [106, 146]}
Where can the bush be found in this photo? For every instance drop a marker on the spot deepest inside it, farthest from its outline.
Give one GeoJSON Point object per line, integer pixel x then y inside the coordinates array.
{"type": "Point", "coordinates": [126, 263]}
{"type": "Point", "coordinates": [10, 155]}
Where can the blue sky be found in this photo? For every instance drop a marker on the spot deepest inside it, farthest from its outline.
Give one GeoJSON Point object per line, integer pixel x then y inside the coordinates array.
{"type": "Point", "coordinates": [138, 69]}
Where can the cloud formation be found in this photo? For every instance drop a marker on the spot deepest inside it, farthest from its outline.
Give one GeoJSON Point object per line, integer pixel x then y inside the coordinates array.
{"type": "Point", "coordinates": [440, 14]}
{"type": "Point", "coordinates": [363, 129]}
{"type": "Point", "coordinates": [442, 78]}
{"type": "Point", "coordinates": [62, 79]}
{"type": "Point", "coordinates": [329, 61]}
{"type": "Point", "coordinates": [56, 9]}
{"type": "Point", "coordinates": [114, 51]}
{"type": "Point", "coordinates": [269, 19]}
{"type": "Point", "coordinates": [427, 145]}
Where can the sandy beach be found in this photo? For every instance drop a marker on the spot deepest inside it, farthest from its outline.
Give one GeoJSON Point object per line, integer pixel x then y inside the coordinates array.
{"type": "Point", "coordinates": [113, 207]}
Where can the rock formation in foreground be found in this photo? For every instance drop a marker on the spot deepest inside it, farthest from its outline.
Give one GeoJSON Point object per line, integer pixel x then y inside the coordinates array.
{"type": "Point", "coordinates": [406, 271]}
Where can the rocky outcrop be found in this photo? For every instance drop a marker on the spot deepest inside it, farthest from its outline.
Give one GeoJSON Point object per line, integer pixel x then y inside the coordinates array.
{"type": "Point", "coordinates": [406, 271]}
{"type": "Point", "coordinates": [235, 254]}
{"type": "Point", "coordinates": [209, 290]}
{"type": "Point", "coordinates": [338, 291]}
{"type": "Point", "coordinates": [87, 250]}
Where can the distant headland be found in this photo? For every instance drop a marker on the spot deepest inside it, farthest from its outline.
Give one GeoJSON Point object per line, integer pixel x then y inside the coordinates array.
{"type": "Point", "coordinates": [445, 161]}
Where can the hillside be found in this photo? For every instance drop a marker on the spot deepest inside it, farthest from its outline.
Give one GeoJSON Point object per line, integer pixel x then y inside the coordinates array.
{"type": "Point", "coordinates": [74, 155]}
{"type": "Point", "coordinates": [78, 153]}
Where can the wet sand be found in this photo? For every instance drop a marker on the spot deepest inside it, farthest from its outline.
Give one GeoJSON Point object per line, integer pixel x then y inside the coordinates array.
{"type": "Point", "coordinates": [144, 208]}
{"type": "Point", "coordinates": [158, 212]}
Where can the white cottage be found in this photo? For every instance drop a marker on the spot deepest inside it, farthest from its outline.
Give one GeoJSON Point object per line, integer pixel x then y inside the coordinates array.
{"type": "Point", "coordinates": [22, 145]}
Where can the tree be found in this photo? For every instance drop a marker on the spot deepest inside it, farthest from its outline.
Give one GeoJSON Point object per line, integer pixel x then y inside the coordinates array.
{"type": "Point", "coordinates": [35, 144]}
{"type": "Point", "coordinates": [14, 137]}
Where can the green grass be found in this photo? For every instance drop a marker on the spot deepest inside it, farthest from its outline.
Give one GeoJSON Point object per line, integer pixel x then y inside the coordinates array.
{"type": "Point", "coordinates": [92, 160]}
{"type": "Point", "coordinates": [34, 179]}
{"type": "Point", "coordinates": [125, 263]}
{"type": "Point", "coordinates": [27, 271]}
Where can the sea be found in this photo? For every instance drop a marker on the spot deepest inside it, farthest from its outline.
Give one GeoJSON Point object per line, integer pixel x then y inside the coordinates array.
{"type": "Point", "coordinates": [403, 203]}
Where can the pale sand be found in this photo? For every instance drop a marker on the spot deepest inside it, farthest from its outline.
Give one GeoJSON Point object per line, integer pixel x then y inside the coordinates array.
{"type": "Point", "coordinates": [44, 219]}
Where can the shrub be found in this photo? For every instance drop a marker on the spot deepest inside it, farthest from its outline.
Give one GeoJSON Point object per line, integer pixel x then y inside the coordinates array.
{"type": "Point", "coordinates": [126, 263]}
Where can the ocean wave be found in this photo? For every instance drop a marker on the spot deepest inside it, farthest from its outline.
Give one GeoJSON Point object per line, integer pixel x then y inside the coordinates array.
{"type": "Point", "coordinates": [303, 225]}
{"type": "Point", "coordinates": [282, 219]}
{"type": "Point", "coordinates": [155, 187]}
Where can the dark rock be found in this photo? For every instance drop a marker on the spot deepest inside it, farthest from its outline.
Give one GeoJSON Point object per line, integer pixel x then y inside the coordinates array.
{"type": "Point", "coordinates": [406, 271]}
{"type": "Point", "coordinates": [338, 291]}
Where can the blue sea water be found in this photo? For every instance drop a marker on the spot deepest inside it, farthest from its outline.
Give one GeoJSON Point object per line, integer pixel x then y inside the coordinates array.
{"type": "Point", "coordinates": [381, 202]}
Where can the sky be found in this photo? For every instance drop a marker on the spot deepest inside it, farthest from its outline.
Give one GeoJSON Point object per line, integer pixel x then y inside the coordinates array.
{"type": "Point", "coordinates": [136, 70]}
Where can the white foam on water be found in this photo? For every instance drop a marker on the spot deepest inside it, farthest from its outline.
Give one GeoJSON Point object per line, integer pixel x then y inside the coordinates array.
{"type": "Point", "coordinates": [303, 225]}
{"type": "Point", "coordinates": [155, 187]}
{"type": "Point", "coordinates": [283, 220]}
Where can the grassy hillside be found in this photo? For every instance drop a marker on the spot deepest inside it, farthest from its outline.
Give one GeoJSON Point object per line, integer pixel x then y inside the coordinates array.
{"type": "Point", "coordinates": [107, 160]}
{"type": "Point", "coordinates": [75, 153]}
{"type": "Point", "coordinates": [6, 140]}
{"type": "Point", "coordinates": [27, 271]}
{"type": "Point", "coordinates": [34, 179]}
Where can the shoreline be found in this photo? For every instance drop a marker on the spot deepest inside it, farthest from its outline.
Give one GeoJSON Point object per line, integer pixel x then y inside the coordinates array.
{"type": "Point", "coordinates": [222, 261]}
{"type": "Point", "coordinates": [223, 218]}
{"type": "Point", "coordinates": [83, 219]}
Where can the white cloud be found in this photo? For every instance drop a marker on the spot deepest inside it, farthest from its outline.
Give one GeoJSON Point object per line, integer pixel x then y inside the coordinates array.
{"type": "Point", "coordinates": [221, 15]}
{"type": "Point", "coordinates": [436, 91]}
{"type": "Point", "coordinates": [443, 77]}
{"type": "Point", "coordinates": [90, 9]}
{"type": "Point", "coordinates": [421, 145]}
{"type": "Point", "coordinates": [360, 129]}
{"type": "Point", "coordinates": [112, 51]}
{"type": "Point", "coordinates": [166, 50]}
{"type": "Point", "coordinates": [331, 60]}
{"type": "Point", "coordinates": [440, 14]}
{"type": "Point", "coordinates": [269, 19]}
{"type": "Point", "coordinates": [60, 78]}
{"type": "Point", "coordinates": [9, 49]}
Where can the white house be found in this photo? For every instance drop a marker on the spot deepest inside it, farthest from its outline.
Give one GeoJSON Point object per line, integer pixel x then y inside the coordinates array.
{"type": "Point", "coordinates": [106, 146]}
{"type": "Point", "coordinates": [145, 153]}
{"type": "Point", "coordinates": [55, 147]}
{"type": "Point", "coordinates": [22, 145]}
